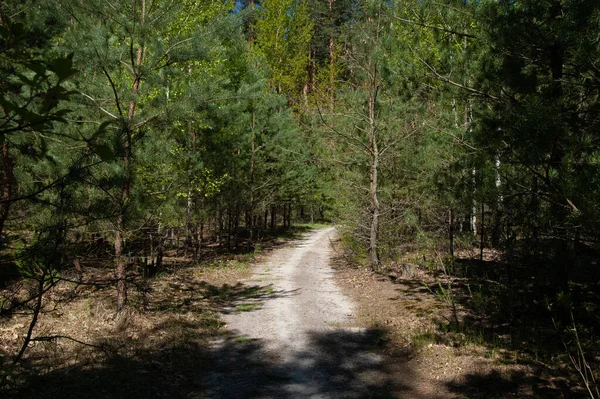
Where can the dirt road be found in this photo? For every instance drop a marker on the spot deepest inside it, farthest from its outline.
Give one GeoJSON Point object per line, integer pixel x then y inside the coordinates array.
{"type": "Point", "coordinates": [296, 338]}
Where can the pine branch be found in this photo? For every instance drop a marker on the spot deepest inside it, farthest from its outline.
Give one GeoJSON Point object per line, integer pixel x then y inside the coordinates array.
{"type": "Point", "coordinates": [424, 25]}
{"type": "Point", "coordinates": [344, 135]}
{"type": "Point", "coordinates": [453, 83]}
{"type": "Point", "coordinates": [98, 105]}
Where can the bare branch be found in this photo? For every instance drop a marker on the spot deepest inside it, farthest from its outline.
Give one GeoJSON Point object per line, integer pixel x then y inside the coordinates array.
{"type": "Point", "coordinates": [453, 83]}
{"type": "Point", "coordinates": [424, 25]}
{"type": "Point", "coordinates": [146, 121]}
{"type": "Point", "coordinates": [98, 105]}
{"type": "Point", "coordinates": [47, 187]}
{"type": "Point", "coordinates": [458, 139]}
{"type": "Point", "coordinates": [346, 136]}
{"type": "Point", "coordinates": [56, 337]}
{"type": "Point", "coordinates": [393, 143]}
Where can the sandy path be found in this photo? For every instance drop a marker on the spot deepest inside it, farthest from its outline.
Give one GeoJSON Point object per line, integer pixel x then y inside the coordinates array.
{"type": "Point", "coordinates": [310, 300]}
{"type": "Point", "coordinates": [299, 342]}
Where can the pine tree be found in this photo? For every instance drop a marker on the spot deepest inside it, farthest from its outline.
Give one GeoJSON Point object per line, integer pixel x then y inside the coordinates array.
{"type": "Point", "coordinates": [33, 86]}
{"type": "Point", "coordinates": [543, 120]}
{"type": "Point", "coordinates": [129, 54]}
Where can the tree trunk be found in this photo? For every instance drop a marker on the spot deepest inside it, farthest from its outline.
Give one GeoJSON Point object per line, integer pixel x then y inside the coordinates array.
{"type": "Point", "coordinates": [273, 217]}
{"type": "Point", "coordinates": [187, 246]}
{"type": "Point", "coordinates": [220, 227]}
{"type": "Point", "coordinates": [283, 215]}
{"type": "Point", "coordinates": [249, 219]}
{"type": "Point", "coordinates": [236, 225]}
{"type": "Point", "coordinates": [7, 170]}
{"type": "Point", "coordinates": [119, 244]}
{"type": "Point", "coordinates": [191, 226]}
{"type": "Point", "coordinates": [451, 230]}
{"type": "Point", "coordinates": [7, 185]}
{"type": "Point", "coordinates": [373, 174]}
{"type": "Point", "coordinates": [306, 87]}
{"type": "Point", "coordinates": [563, 253]}
{"type": "Point", "coordinates": [266, 217]}
{"type": "Point", "coordinates": [200, 235]}
{"type": "Point", "coordinates": [481, 244]}
{"type": "Point", "coordinates": [121, 266]}
{"type": "Point", "coordinates": [251, 33]}
{"type": "Point", "coordinates": [331, 61]}
{"type": "Point", "coordinates": [229, 226]}
{"type": "Point", "coordinates": [160, 250]}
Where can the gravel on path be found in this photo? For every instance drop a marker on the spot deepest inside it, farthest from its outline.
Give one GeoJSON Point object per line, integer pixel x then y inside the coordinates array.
{"type": "Point", "coordinates": [301, 339]}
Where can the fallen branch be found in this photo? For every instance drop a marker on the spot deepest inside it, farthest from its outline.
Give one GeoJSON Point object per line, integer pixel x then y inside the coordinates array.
{"type": "Point", "coordinates": [578, 360]}
{"type": "Point", "coordinates": [51, 338]}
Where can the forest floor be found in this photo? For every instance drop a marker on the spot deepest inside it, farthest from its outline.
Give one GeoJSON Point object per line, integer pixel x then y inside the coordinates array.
{"type": "Point", "coordinates": [294, 320]}
{"type": "Point", "coordinates": [428, 329]}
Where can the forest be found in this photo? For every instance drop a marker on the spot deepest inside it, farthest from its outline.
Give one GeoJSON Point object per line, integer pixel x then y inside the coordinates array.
{"type": "Point", "coordinates": [455, 138]}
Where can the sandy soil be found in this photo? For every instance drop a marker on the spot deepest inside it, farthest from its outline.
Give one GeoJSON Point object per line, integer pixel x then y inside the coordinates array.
{"type": "Point", "coordinates": [304, 340]}
{"type": "Point", "coordinates": [414, 312]}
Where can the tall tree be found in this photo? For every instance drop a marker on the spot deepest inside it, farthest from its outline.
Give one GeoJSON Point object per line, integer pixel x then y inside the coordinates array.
{"type": "Point", "coordinates": [33, 85]}
{"type": "Point", "coordinates": [283, 34]}
{"type": "Point", "coordinates": [131, 50]}
{"type": "Point", "coordinates": [371, 124]}
{"type": "Point", "coordinates": [543, 120]}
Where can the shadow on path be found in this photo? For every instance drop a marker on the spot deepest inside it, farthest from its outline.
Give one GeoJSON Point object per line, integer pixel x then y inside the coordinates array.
{"type": "Point", "coordinates": [339, 364]}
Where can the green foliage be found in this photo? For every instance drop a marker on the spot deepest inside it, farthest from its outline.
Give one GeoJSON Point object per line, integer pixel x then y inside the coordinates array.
{"type": "Point", "coordinates": [33, 85]}
{"type": "Point", "coordinates": [247, 307]}
{"type": "Point", "coordinates": [467, 116]}
{"type": "Point", "coordinates": [283, 35]}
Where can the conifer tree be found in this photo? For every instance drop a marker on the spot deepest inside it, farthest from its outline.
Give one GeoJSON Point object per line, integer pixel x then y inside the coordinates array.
{"type": "Point", "coordinates": [32, 88]}
{"type": "Point", "coordinates": [129, 53]}
{"type": "Point", "coordinates": [542, 121]}
{"type": "Point", "coordinates": [367, 128]}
